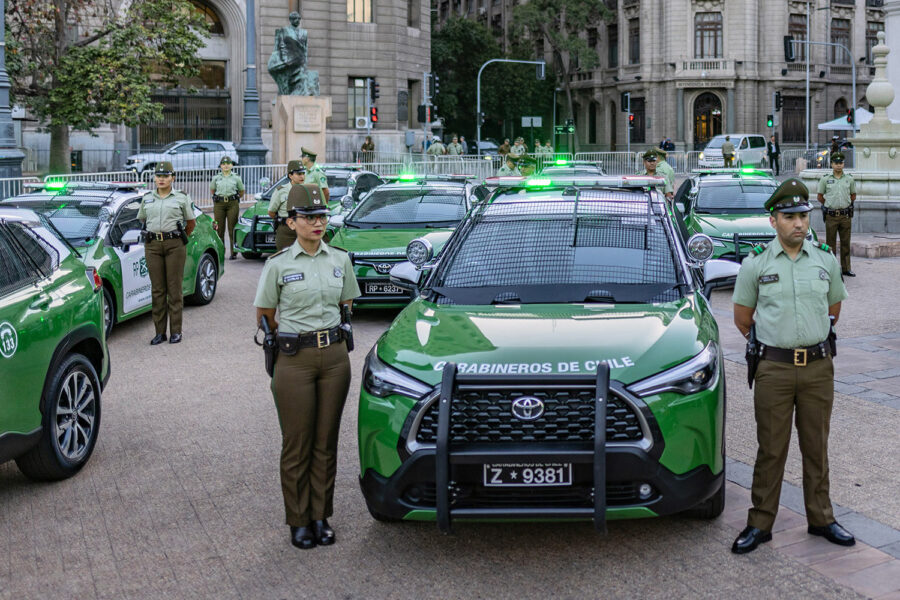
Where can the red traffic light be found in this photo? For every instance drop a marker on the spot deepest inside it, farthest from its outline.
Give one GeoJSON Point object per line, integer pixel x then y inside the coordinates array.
{"type": "Point", "coordinates": [631, 119]}
{"type": "Point", "coordinates": [850, 115]}
{"type": "Point", "coordinates": [373, 116]}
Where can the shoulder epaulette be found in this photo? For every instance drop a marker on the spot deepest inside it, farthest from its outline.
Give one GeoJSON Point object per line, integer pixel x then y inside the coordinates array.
{"type": "Point", "coordinates": [758, 248]}
{"type": "Point", "coordinates": [824, 247]}
{"type": "Point", "coordinates": [280, 252]}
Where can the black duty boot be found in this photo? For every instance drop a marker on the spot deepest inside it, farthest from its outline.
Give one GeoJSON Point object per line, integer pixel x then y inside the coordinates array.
{"type": "Point", "coordinates": [303, 537]}
{"type": "Point", "coordinates": [324, 532]}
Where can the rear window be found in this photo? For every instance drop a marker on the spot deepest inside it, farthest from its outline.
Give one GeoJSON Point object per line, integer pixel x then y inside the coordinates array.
{"type": "Point", "coordinates": [414, 206]}
{"type": "Point", "coordinates": [77, 218]}
{"type": "Point", "coordinates": [734, 197]}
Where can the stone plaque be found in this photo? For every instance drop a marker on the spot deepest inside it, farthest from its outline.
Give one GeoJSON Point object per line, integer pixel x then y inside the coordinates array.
{"type": "Point", "coordinates": [308, 119]}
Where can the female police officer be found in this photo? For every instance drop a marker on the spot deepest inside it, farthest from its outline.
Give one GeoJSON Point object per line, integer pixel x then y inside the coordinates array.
{"type": "Point", "coordinates": [284, 235]}
{"type": "Point", "coordinates": [227, 189]}
{"type": "Point", "coordinates": [162, 211]}
{"type": "Point", "coordinates": [306, 282]}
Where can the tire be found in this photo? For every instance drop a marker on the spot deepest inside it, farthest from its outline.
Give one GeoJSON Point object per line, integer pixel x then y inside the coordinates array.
{"type": "Point", "coordinates": [251, 255]}
{"type": "Point", "coordinates": [109, 312]}
{"type": "Point", "coordinates": [711, 507]}
{"type": "Point", "coordinates": [60, 453]}
{"type": "Point", "coordinates": [206, 281]}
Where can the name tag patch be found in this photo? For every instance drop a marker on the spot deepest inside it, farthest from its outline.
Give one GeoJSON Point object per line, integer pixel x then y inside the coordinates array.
{"type": "Point", "coordinates": [292, 277]}
{"type": "Point", "coordinates": [768, 278]}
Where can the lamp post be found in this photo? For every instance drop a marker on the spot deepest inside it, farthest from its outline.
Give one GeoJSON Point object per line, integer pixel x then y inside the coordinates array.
{"type": "Point", "coordinates": [251, 150]}
{"type": "Point", "coordinates": [10, 156]}
{"type": "Point", "coordinates": [541, 69]}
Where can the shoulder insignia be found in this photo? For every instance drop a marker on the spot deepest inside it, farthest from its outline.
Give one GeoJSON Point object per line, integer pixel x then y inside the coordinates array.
{"type": "Point", "coordinates": [279, 253]}
{"type": "Point", "coordinates": [758, 248]}
{"type": "Point", "coordinates": [824, 247]}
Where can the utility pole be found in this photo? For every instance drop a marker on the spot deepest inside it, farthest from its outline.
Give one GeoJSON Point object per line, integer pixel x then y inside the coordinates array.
{"type": "Point", "coordinates": [541, 73]}
{"type": "Point", "coordinates": [10, 156]}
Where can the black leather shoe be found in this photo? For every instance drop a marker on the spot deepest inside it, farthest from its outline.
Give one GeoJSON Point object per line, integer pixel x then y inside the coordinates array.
{"type": "Point", "coordinates": [749, 539]}
{"type": "Point", "coordinates": [159, 339]}
{"type": "Point", "coordinates": [848, 273]}
{"type": "Point", "coordinates": [233, 256]}
{"type": "Point", "coordinates": [834, 533]}
{"type": "Point", "coordinates": [303, 537]}
{"type": "Point", "coordinates": [324, 532]}
{"type": "Point", "coordinates": [176, 337]}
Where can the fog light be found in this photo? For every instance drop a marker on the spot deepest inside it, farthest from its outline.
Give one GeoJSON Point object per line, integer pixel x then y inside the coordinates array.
{"type": "Point", "coordinates": [645, 490]}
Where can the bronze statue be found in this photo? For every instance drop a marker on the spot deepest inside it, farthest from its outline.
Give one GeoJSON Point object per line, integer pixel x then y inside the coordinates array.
{"type": "Point", "coordinates": [287, 65]}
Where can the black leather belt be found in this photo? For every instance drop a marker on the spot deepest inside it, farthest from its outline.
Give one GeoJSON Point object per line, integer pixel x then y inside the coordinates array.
{"type": "Point", "coordinates": [158, 237]}
{"type": "Point", "coordinates": [315, 339]}
{"type": "Point", "coordinates": [798, 357]}
{"type": "Point", "coordinates": [838, 212]}
{"type": "Point", "coordinates": [217, 198]}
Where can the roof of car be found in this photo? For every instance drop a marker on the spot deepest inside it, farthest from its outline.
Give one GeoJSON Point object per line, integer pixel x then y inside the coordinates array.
{"type": "Point", "coordinates": [111, 195]}
{"type": "Point", "coordinates": [19, 215]}
{"type": "Point", "coordinates": [743, 178]}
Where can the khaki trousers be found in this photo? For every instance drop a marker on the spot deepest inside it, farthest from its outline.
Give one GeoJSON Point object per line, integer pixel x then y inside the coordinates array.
{"type": "Point", "coordinates": [225, 214]}
{"type": "Point", "coordinates": [165, 262]}
{"type": "Point", "coordinates": [839, 225]}
{"type": "Point", "coordinates": [310, 389]}
{"type": "Point", "coordinates": [284, 237]}
{"type": "Point", "coordinates": [783, 391]}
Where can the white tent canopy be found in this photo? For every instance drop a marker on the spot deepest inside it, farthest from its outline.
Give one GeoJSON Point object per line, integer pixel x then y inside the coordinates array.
{"type": "Point", "coordinates": [841, 124]}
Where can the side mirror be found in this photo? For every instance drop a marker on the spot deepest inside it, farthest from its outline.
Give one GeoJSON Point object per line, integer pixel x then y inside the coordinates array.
{"type": "Point", "coordinates": [406, 275]}
{"type": "Point", "coordinates": [700, 247]}
{"type": "Point", "coordinates": [131, 237]}
{"type": "Point", "coordinates": [719, 273]}
{"type": "Point", "coordinates": [347, 202]}
{"type": "Point", "coordinates": [336, 221]}
{"type": "Point", "coordinates": [173, 152]}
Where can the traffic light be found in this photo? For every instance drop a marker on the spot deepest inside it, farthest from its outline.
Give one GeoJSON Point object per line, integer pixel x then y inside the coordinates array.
{"type": "Point", "coordinates": [631, 119]}
{"type": "Point", "coordinates": [373, 115]}
{"type": "Point", "coordinates": [779, 101]}
{"type": "Point", "coordinates": [770, 121]}
{"type": "Point", "coordinates": [437, 87]}
{"type": "Point", "coordinates": [372, 86]}
{"type": "Point", "coordinates": [788, 48]}
{"type": "Point", "coordinates": [850, 115]}
{"type": "Point", "coordinates": [625, 102]}
{"type": "Point", "coordinates": [423, 113]}
{"type": "Point", "coordinates": [481, 118]}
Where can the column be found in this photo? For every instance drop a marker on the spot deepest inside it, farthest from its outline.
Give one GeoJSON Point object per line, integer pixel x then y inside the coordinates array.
{"type": "Point", "coordinates": [251, 150]}
{"type": "Point", "coordinates": [679, 116]}
{"type": "Point", "coordinates": [729, 110]}
{"type": "Point", "coordinates": [892, 38]}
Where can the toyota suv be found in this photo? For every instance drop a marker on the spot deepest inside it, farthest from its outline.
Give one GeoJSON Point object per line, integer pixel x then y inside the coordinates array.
{"type": "Point", "coordinates": [185, 155]}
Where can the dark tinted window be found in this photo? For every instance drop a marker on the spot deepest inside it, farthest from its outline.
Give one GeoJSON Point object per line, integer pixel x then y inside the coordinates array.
{"type": "Point", "coordinates": [733, 197]}
{"type": "Point", "coordinates": [35, 253]}
{"type": "Point", "coordinates": [125, 221]}
{"type": "Point", "coordinates": [14, 272]}
{"type": "Point", "coordinates": [411, 206]}
{"type": "Point", "coordinates": [757, 142]}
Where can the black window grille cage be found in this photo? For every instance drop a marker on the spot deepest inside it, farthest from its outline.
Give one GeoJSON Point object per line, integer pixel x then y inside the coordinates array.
{"type": "Point", "coordinates": [76, 217]}
{"type": "Point", "coordinates": [414, 205]}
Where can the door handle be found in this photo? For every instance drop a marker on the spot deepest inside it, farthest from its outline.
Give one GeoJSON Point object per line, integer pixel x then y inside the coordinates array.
{"type": "Point", "coordinates": [41, 302]}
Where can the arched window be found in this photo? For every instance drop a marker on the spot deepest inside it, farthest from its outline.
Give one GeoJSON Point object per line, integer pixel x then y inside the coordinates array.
{"type": "Point", "coordinates": [209, 14]}
{"type": "Point", "coordinates": [840, 108]}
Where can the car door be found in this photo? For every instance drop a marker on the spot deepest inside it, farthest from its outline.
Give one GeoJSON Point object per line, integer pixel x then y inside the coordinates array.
{"type": "Point", "coordinates": [27, 338]}
{"type": "Point", "coordinates": [181, 155]}
{"type": "Point", "coordinates": [192, 255]}
{"type": "Point", "coordinates": [214, 153]}
{"type": "Point", "coordinates": [135, 284]}
{"type": "Point", "coordinates": [757, 149]}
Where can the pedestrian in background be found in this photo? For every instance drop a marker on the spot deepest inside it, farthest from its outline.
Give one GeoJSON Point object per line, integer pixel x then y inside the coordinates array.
{"type": "Point", "coordinates": [728, 152]}
{"type": "Point", "coordinates": [306, 283]}
{"type": "Point", "coordinates": [508, 168]}
{"type": "Point", "coordinates": [454, 148]}
{"type": "Point", "coordinates": [773, 151]}
{"type": "Point", "coordinates": [367, 150]}
{"type": "Point", "coordinates": [314, 173]}
{"type": "Point", "coordinates": [169, 220]}
{"type": "Point", "coordinates": [284, 235]}
{"type": "Point", "coordinates": [227, 190]}
{"type": "Point", "coordinates": [518, 149]}
{"type": "Point", "coordinates": [436, 148]}
{"type": "Point", "coordinates": [504, 148]}
{"type": "Point", "coordinates": [664, 168]}
{"type": "Point", "coordinates": [464, 144]}
{"type": "Point", "coordinates": [837, 195]}
{"type": "Point", "coordinates": [791, 292]}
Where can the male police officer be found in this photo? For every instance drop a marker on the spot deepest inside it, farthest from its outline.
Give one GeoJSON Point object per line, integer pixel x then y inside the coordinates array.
{"type": "Point", "coordinates": [314, 173]}
{"type": "Point", "coordinates": [651, 159]}
{"type": "Point", "coordinates": [509, 168]}
{"type": "Point", "coordinates": [837, 194]}
{"type": "Point", "coordinates": [527, 165]}
{"type": "Point", "coordinates": [168, 218]}
{"type": "Point", "coordinates": [728, 152]}
{"type": "Point", "coordinates": [284, 236]}
{"type": "Point", "coordinates": [454, 148]}
{"type": "Point", "coordinates": [664, 168]}
{"type": "Point", "coordinates": [227, 189]}
{"type": "Point", "coordinates": [788, 290]}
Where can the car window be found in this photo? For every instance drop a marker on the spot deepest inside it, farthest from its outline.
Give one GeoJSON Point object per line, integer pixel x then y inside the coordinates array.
{"type": "Point", "coordinates": [736, 197]}
{"type": "Point", "coordinates": [337, 183]}
{"type": "Point", "coordinates": [125, 221]}
{"type": "Point", "coordinates": [412, 206]}
{"type": "Point", "coordinates": [757, 141]}
{"type": "Point", "coordinates": [15, 273]}
{"type": "Point", "coordinates": [745, 143]}
{"type": "Point", "coordinates": [77, 218]}
{"type": "Point", "coordinates": [215, 147]}
{"type": "Point", "coordinates": [716, 142]}
{"type": "Point", "coordinates": [366, 182]}
{"type": "Point", "coordinates": [183, 148]}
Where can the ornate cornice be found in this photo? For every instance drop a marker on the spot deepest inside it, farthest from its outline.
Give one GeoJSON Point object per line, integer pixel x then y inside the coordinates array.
{"type": "Point", "coordinates": [708, 5]}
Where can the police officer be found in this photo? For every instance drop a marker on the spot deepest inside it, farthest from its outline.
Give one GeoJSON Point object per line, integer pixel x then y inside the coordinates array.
{"type": "Point", "coordinates": [436, 148]}
{"type": "Point", "coordinates": [788, 290]}
{"type": "Point", "coordinates": [227, 189]}
{"type": "Point", "coordinates": [454, 148]}
{"type": "Point", "coordinates": [728, 152]}
{"type": "Point", "coordinates": [527, 165]}
{"type": "Point", "coordinates": [284, 235]}
{"type": "Point", "coordinates": [651, 160]}
{"type": "Point", "coordinates": [306, 282]}
{"type": "Point", "coordinates": [518, 150]}
{"type": "Point", "coordinates": [314, 173]}
{"type": "Point", "coordinates": [509, 168]}
{"type": "Point", "coordinates": [168, 218]}
{"type": "Point", "coordinates": [664, 168]}
{"type": "Point", "coordinates": [837, 194]}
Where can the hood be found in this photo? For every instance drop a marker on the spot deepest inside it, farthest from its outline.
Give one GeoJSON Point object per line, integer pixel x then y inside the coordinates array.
{"type": "Point", "coordinates": [635, 340]}
{"type": "Point", "coordinates": [726, 225]}
{"type": "Point", "coordinates": [377, 242]}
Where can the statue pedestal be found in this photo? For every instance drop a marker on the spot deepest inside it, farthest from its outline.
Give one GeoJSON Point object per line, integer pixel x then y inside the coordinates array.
{"type": "Point", "coordinates": [299, 121]}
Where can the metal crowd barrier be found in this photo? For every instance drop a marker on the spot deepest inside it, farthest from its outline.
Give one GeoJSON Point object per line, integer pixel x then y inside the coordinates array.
{"type": "Point", "coordinates": [13, 186]}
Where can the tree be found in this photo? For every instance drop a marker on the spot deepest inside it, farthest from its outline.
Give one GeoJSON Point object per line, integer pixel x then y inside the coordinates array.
{"type": "Point", "coordinates": [82, 63]}
{"type": "Point", "coordinates": [558, 24]}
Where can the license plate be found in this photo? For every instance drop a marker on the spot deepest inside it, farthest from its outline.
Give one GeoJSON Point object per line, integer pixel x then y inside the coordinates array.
{"type": "Point", "coordinates": [383, 288]}
{"type": "Point", "coordinates": [270, 238]}
{"type": "Point", "coordinates": [527, 474]}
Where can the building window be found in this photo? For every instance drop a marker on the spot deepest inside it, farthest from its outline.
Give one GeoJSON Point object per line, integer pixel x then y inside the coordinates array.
{"type": "Point", "coordinates": [794, 127]}
{"type": "Point", "coordinates": [872, 29]}
{"type": "Point", "coordinates": [612, 45]}
{"type": "Point", "coordinates": [638, 135]}
{"type": "Point", "coordinates": [359, 11]}
{"type": "Point", "coordinates": [592, 122]}
{"type": "Point", "coordinates": [634, 41]}
{"type": "Point", "coordinates": [356, 100]}
{"type": "Point", "coordinates": [592, 38]}
{"type": "Point", "coordinates": [840, 108]}
{"type": "Point", "coordinates": [412, 13]}
{"type": "Point", "coordinates": [708, 35]}
{"type": "Point", "coordinates": [840, 34]}
{"type": "Point", "coordinates": [797, 29]}
{"type": "Point", "coordinates": [208, 13]}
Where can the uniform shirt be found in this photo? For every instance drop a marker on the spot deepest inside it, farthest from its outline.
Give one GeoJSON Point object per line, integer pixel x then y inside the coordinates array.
{"type": "Point", "coordinates": [517, 150]}
{"type": "Point", "coordinates": [506, 171]}
{"type": "Point", "coordinates": [837, 190]}
{"type": "Point", "coordinates": [727, 148]}
{"type": "Point", "coordinates": [317, 175]}
{"type": "Point", "coordinates": [669, 187]}
{"type": "Point", "coordinates": [791, 297]}
{"type": "Point", "coordinates": [436, 149]}
{"type": "Point", "coordinates": [666, 170]}
{"type": "Point", "coordinates": [226, 185]}
{"type": "Point", "coordinates": [162, 215]}
{"type": "Point", "coordinates": [454, 149]}
{"type": "Point", "coordinates": [306, 289]}
{"type": "Point", "coordinates": [278, 203]}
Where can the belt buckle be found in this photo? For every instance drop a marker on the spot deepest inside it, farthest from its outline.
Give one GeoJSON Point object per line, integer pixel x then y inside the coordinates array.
{"type": "Point", "coordinates": [322, 340]}
{"type": "Point", "coordinates": [800, 357]}
{"type": "Point", "coordinates": [158, 237]}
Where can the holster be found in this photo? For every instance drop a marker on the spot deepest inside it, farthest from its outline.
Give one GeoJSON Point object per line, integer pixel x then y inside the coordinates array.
{"type": "Point", "coordinates": [831, 340]}
{"type": "Point", "coordinates": [269, 346]}
{"type": "Point", "coordinates": [752, 355]}
{"type": "Point", "coordinates": [184, 237]}
{"type": "Point", "coordinates": [217, 198]}
{"type": "Point", "coordinates": [346, 327]}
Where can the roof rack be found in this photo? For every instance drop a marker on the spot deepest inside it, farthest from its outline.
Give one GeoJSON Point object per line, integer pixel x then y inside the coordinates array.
{"type": "Point", "coordinates": [415, 177]}
{"type": "Point", "coordinates": [634, 181]}
{"type": "Point", "coordinates": [85, 185]}
{"type": "Point", "coordinates": [733, 171]}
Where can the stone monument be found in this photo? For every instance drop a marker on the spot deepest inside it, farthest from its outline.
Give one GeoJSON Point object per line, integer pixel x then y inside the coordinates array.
{"type": "Point", "coordinates": [300, 113]}
{"type": "Point", "coordinates": [876, 158]}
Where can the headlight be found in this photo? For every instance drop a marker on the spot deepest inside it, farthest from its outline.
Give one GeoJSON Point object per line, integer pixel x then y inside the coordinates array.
{"type": "Point", "coordinates": [382, 381]}
{"type": "Point", "coordinates": [701, 156]}
{"type": "Point", "coordinates": [695, 375]}
{"type": "Point", "coordinates": [136, 161]}
{"type": "Point", "coordinates": [245, 222]}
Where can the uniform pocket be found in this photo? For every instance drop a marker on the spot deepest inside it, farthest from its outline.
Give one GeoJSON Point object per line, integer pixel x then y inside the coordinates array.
{"type": "Point", "coordinates": [770, 289]}
{"type": "Point", "coordinates": [294, 289]}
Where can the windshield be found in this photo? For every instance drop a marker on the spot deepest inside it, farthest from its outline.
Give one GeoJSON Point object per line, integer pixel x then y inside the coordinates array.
{"type": "Point", "coordinates": [168, 147]}
{"type": "Point", "coordinates": [77, 219]}
{"type": "Point", "coordinates": [716, 142]}
{"type": "Point", "coordinates": [736, 197]}
{"type": "Point", "coordinates": [615, 248]}
{"type": "Point", "coordinates": [411, 207]}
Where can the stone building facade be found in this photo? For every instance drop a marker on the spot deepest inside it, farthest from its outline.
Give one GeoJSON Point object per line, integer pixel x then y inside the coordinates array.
{"type": "Point", "coordinates": [696, 68]}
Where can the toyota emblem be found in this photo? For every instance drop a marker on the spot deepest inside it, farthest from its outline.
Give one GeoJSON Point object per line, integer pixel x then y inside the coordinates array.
{"type": "Point", "coordinates": [527, 408]}
{"type": "Point", "coordinates": [383, 268]}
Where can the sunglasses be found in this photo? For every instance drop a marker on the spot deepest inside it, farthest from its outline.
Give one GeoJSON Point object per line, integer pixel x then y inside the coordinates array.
{"type": "Point", "coordinates": [651, 159]}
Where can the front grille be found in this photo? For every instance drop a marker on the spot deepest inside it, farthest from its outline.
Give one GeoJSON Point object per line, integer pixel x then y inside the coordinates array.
{"type": "Point", "coordinates": [485, 416]}
{"type": "Point", "coordinates": [622, 493]}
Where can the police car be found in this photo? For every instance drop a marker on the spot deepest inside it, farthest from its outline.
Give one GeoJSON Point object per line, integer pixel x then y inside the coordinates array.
{"type": "Point", "coordinates": [728, 205]}
{"type": "Point", "coordinates": [377, 231]}
{"type": "Point", "coordinates": [559, 361]}
{"type": "Point", "coordinates": [99, 221]}
{"type": "Point", "coordinates": [53, 357]}
{"type": "Point", "coordinates": [254, 234]}
{"type": "Point", "coordinates": [568, 168]}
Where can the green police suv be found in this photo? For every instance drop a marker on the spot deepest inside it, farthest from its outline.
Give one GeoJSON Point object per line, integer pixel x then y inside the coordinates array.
{"type": "Point", "coordinates": [558, 362]}
{"type": "Point", "coordinates": [254, 234]}
{"type": "Point", "coordinates": [99, 221]}
{"type": "Point", "coordinates": [53, 358]}
{"type": "Point", "coordinates": [377, 231]}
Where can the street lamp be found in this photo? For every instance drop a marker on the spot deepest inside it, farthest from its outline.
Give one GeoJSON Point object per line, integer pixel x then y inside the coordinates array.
{"type": "Point", "coordinates": [540, 75]}
{"type": "Point", "coordinates": [251, 150]}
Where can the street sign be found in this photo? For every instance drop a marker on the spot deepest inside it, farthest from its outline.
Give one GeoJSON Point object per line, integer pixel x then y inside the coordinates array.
{"type": "Point", "coordinates": [531, 121]}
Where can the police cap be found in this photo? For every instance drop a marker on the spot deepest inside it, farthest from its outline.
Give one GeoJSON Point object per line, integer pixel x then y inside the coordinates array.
{"type": "Point", "coordinates": [790, 197]}
{"type": "Point", "coordinates": [295, 165]}
{"type": "Point", "coordinates": [226, 160]}
{"type": "Point", "coordinates": [306, 199]}
{"type": "Point", "coordinates": [527, 160]}
{"type": "Point", "coordinates": [651, 154]}
{"type": "Point", "coordinates": [307, 152]}
{"type": "Point", "coordinates": [662, 153]}
{"type": "Point", "coordinates": [837, 157]}
{"type": "Point", "coordinates": [164, 168]}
